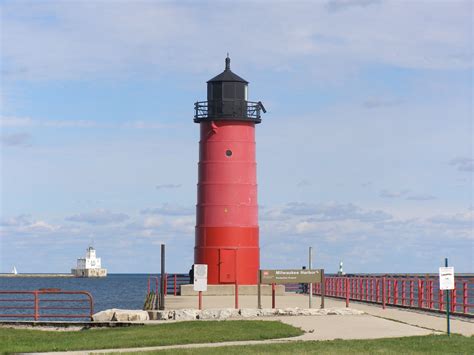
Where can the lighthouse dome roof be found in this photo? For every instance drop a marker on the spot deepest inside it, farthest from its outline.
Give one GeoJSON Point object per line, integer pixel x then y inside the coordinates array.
{"type": "Point", "coordinates": [227, 74]}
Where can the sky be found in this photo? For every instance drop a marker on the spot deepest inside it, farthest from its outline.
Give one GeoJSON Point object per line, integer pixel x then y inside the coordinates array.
{"type": "Point", "coordinates": [365, 152]}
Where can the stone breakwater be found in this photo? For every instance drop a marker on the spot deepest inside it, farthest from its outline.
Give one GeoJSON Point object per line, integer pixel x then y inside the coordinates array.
{"type": "Point", "coordinates": [121, 315]}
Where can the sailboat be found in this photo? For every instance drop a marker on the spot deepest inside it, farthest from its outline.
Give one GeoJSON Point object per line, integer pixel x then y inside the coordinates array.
{"type": "Point", "coordinates": [14, 272]}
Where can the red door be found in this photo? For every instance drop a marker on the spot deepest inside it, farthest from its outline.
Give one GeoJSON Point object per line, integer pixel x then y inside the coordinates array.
{"type": "Point", "coordinates": [227, 265]}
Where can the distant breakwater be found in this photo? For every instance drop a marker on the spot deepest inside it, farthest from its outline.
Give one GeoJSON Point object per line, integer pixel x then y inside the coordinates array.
{"type": "Point", "coordinates": [36, 275]}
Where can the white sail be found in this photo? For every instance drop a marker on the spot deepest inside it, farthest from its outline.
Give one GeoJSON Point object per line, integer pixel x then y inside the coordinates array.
{"type": "Point", "coordinates": [14, 272]}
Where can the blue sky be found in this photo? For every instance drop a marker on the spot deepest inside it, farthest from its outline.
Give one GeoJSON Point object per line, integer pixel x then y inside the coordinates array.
{"type": "Point", "coordinates": [365, 153]}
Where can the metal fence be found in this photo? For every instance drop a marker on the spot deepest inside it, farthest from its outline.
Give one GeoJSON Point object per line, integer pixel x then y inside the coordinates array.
{"type": "Point", "coordinates": [227, 109]}
{"type": "Point", "coordinates": [46, 304]}
{"type": "Point", "coordinates": [408, 292]}
{"type": "Point", "coordinates": [172, 283]}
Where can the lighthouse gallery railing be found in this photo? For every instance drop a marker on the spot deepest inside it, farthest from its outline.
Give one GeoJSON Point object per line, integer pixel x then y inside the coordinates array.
{"type": "Point", "coordinates": [223, 109]}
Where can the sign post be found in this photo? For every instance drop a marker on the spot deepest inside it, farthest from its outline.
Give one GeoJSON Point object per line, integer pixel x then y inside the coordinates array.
{"type": "Point", "coordinates": [310, 266]}
{"type": "Point", "coordinates": [446, 283]}
{"type": "Point", "coordinates": [200, 281]}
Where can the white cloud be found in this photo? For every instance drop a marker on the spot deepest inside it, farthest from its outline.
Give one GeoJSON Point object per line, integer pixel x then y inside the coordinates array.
{"type": "Point", "coordinates": [456, 221]}
{"type": "Point", "coordinates": [169, 210]}
{"type": "Point", "coordinates": [16, 122]}
{"type": "Point", "coordinates": [153, 222]}
{"type": "Point", "coordinates": [393, 194]}
{"type": "Point", "coordinates": [139, 124]}
{"type": "Point", "coordinates": [168, 186]}
{"type": "Point", "coordinates": [384, 241]}
{"type": "Point", "coordinates": [16, 140]}
{"type": "Point", "coordinates": [421, 197]}
{"type": "Point", "coordinates": [29, 122]}
{"type": "Point", "coordinates": [100, 216]}
{"type": "Point", "coordinates": [376, 102]}
{"type": "Point", "coordinates": [58, 40]}
{"type": "Point", "coordinates": [463, 164]}
{"type": "Point", "coordinates": [341, 5]}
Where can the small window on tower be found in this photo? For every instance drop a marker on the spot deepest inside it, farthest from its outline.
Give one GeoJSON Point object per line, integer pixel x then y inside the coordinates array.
{"type": "Point", "coordinates": [228, 152]}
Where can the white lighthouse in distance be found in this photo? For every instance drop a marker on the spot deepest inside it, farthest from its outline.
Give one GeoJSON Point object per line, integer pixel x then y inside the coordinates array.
{"type": "Point", "coordinates": [90, 266]}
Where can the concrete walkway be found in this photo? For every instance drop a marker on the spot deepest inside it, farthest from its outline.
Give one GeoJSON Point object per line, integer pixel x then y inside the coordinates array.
{"type": "Point", "coordinates": [416, 318]}
{"type": "Point", "coordinates": [376, 323]}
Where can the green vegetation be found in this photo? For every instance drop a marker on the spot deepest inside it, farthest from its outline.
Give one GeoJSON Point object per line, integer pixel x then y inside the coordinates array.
{"type": "Point", "coordinates": [22, 340]}
{"type": "Point", "coordinates": [432, 344]}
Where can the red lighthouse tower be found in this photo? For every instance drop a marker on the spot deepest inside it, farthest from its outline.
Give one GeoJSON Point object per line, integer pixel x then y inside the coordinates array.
{"type": "Point", "coordinates": [227, 232]}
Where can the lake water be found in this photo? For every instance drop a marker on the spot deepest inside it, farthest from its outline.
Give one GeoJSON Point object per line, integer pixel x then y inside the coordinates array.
{"type": "Point", "coordinates": [126, 291]}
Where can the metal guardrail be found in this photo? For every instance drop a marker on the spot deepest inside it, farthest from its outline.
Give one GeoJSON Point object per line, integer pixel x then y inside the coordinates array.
{"type": "Point", "coordinates": [228, 109]}
{"type": "Point", "coordinates": [20, 304]}
{"type": "Point", "coordinates": [407, 292]}
{"type": "Point", "coordinates": [172, 283]}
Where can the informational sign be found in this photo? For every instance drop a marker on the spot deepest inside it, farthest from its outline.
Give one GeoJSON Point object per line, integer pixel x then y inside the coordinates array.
{"type": "Point", "coordinates": [200, 277]}
{"type": "Point", "coordinates": [446, 278]}
{"type": "Point", "coordinates": [290, 276]}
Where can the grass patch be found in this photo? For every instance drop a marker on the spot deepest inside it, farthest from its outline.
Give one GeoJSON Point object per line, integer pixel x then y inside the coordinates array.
{"type": "Point", "coordinates": [430, 344]}
{"type": "Point", "coordinates": [25, 340]}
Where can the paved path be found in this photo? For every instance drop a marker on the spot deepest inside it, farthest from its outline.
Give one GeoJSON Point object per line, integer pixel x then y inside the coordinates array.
{"type": "Point", "coordinates": [376, 323]}
{"type": "Point", "coordinates": [417, 318]}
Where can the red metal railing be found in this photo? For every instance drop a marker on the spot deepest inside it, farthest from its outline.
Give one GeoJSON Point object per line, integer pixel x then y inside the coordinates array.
{"type": "Point", "coordinates": [36, 304]}
{"type": "Point", "coordinates": [172, 283]}
{"type": "Point", "coordinates": [156, 283]}
{"type": "Point", "coordinates": [408, 292]}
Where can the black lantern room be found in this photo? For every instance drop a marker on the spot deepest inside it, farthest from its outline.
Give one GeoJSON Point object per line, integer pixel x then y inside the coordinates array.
{"type": "Point", "coordinates": [227, 99]}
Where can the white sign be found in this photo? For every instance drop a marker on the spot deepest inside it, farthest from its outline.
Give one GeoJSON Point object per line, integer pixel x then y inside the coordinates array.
{"type": "Point", "coordinates": [446, 278]}
{"type": "Point", "coordinates": [200, 277]}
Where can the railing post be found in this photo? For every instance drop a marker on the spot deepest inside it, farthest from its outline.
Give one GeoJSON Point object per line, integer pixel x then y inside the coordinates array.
{"type": "Point", "coordinates": [403, 292]}
{"type": "Point", "coordinates": [374, 289]}
{"type": "Point", "coordinates": [347, 292]}
{"type": "Point", "coordinates": [371, 283]}
{"type": "Point", "coordinates": [389, 290]}
{"type": "Point", "coordinates": [464, 297]}
{"type": "Point", "coordinates": [431, 294]}
{"type": "Point", "coordinates": [175, 279]}
{"type": "Point", "coordinates": [395, 292]}
{"type": "Point", "coordinates": [377, 290]}
{"type": "Point", "coordinates": [412, 293]}
{"type": "Point", "coordinates": [424, 290]}
{"type": "Point", "coordinates": [148, 286]}
{"type": "Point", "coordinates": [352, 288]}
{"type": "Point", "coordinates": [323, 288]}
{"type": "Point", "coordinates": [440, 300]}
{"type": "Point", "coordinates": [420, 293]}
{"type": "Point", "coordinates": [36, 305]}
{"type": "Point", "coordinates": [453, 298]}
{"type": "Point", "coordinates": [236, 295]}
{"type": "Point", "coordinates": [367, 288]}
{"type": "Point", "coordinates": [383, 292]}
{"type": "Point", "coordinates": [273, 296]}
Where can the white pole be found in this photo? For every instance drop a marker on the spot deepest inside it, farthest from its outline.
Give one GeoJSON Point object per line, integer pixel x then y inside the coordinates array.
{"type": "Point", "coordinates": [310, 267]}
